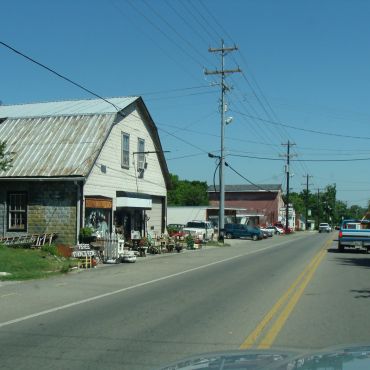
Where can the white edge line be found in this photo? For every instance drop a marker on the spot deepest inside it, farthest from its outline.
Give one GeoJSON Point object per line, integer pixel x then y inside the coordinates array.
{"type": "Point", "coordinates": [100, 296]}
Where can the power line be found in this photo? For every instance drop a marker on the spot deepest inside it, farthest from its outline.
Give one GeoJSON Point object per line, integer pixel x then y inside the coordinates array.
{"type": "Point", "coordinates": [180, 96]}
{"type": "Point", "coordinates": [178, 63]}
{"type": "Point", "coordinates": [216, 32]}
{"type": "Point", "coordinates": [213, 135]}
{"type": "Point", "coordinates": [301, 160]}
{"type": "Point", "coordinates": [184, 5]}
{"type": "Point", "coordinates": [199, 34]}
{"type": "Point", "coordinates": [164, 34]}
{"type": "Point", "coordinates": [172, 90]}
{"type": "Point", "coordinates": [243, 177]}
{"type": "Point", "coordinates": [303, 129]}
{"type": "Point", "coordinates": [183, 140]}
{"type": "Point", "coordinates": [60, 75]}
{"type": "Point", "coordinates": [186, 156]}
{"type": "Point", "coordinates": [216, 21]}
{"type": "Point", "coordinates": [175, 31]}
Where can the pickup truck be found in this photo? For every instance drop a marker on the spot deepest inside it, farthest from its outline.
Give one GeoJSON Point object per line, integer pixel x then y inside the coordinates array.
{"type": "Point", "coordinates": [354, 234]}
{"type": "Point", "coordinates": [202, 230]}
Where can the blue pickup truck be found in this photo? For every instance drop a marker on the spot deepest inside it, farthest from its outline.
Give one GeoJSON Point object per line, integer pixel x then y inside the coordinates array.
{"type": "Point", "coordinates": [354, 234]}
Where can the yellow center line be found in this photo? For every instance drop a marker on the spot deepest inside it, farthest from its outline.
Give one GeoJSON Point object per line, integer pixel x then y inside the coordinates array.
{"type": "Point", "coordinates": [252, 337]}
{"type": "Point", "coordinates": [279, 323]}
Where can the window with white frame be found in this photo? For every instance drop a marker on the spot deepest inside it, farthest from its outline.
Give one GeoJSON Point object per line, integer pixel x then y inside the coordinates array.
{"type": "Point", "coordinates": [17, 211]}
{"type": "Point", "coordinates": [141, 155]}
{"type": "Point", "coordinates": [125, 160]}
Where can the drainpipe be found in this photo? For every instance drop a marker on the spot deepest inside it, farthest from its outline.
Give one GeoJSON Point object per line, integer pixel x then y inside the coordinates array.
{"type": "Point", "coordinates": [4, 218]}
{"type": "Point", "coordinates": [79, 208]}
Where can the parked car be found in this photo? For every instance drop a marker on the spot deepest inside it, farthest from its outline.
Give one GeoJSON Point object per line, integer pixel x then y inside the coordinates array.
{"type": "Point", "coordinates": [266, 232]}
{"type": "Point", "coordinates": [275, 229]}
{"type": "Point", "coordinates": [202, 230]}
{"type": "Point", "coordinates": [175, 229]}
{"type": "Point", "coordinates": [242, 231]}
{"type": "Point", "coordinates": [283, 227]}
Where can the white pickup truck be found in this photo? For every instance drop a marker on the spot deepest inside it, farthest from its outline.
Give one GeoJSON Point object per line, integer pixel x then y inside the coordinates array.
{"type": "Point", "coordinates": [324, 227]}
{"type": "Point", "coordinates": [354, 234]}
{"type": "Point", "coordinates": [202, 230]}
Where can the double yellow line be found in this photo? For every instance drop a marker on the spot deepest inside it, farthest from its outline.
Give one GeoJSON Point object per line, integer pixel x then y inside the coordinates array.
{"type": "Point", "coordinates": [290, 298]}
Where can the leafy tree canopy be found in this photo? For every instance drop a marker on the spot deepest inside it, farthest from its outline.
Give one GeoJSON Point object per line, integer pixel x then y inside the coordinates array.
{"type": "Point", "coordinates": [5, 157]}
{"type": "Point", "coordinates": [187, 193]}
{"type": "Point", "coordinates": [324, 206]}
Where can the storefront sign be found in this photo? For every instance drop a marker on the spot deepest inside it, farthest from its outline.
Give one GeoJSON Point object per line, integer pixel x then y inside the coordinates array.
{"type": "Point", "coordinates": [134, 202]}
{"type": "Point", "coordinates": [82, 250]}
{"type": "Point", "coordinates": [104, 203]}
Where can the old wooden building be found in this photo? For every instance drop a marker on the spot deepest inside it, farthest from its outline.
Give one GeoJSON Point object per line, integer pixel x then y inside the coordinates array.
{"type": "Point", "coordinates": [82, 163]}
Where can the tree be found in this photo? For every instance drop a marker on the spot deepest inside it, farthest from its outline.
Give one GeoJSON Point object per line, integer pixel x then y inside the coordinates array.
{"type": "Point", "coordinates": [327, 201]}
{"type": "Point", "coordinates": [5, 157]}
{"type": "Point", "coordinates": [356, 211]}
{"type": "Point", "coordinates": [187, 193]}
{"type": "Point", "coordinates": [298, 202]}
{"type": "Point", "coordinates": [341, 212]}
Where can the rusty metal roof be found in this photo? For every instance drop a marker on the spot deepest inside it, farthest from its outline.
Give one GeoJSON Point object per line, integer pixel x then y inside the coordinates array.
{"type": "Point", "coordinates": [59, 139]}
{"type": "Point", "coordinates": [56, 139]}
{"type": "Point", "coordinates": [54, 146]}
{"type": "Point", "coordinates": [64, 108]}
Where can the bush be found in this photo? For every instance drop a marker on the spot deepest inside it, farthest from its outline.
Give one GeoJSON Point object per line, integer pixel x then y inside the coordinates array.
{"type": "Point", "coordinates": [51, 249]}
{"type": "Point", "coordinates": [189, 241]}
{"type": "Point", "coordinates": [86, 231]}
{"type": "Point", "coordinates": [86, 235]}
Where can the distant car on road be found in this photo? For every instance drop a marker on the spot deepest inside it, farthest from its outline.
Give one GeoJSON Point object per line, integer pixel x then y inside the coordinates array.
{"type": "Point", "coordinates": [242, 231]}
{"type": "Point", "coordinates": [324, 227]}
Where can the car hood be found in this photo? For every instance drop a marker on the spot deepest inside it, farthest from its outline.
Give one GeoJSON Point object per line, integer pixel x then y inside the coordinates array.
{"type": "Point", "coordinates": [347, 358]}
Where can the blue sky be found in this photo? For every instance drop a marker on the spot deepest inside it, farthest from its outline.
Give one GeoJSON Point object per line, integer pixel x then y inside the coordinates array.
{"type": "Point", "coordinates": [305, 64]}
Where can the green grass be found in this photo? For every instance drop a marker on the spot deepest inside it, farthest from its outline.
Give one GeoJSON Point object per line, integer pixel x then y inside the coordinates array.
{"type": "Point", "coordinates": [24, 264]}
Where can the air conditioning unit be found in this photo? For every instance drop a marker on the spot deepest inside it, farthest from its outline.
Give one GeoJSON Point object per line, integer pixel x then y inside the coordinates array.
{"type": "Point", "coordinates": [141, 166]}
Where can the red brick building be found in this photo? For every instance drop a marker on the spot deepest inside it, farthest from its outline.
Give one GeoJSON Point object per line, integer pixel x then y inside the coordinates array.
{"type": "Point", "coordinates": [263, 200]}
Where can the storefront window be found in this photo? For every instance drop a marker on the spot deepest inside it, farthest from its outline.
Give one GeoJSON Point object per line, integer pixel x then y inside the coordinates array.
{"type": "Point", "coordinates": [98, 213]}
{"type": "Point", "coordinates": [99, 220]}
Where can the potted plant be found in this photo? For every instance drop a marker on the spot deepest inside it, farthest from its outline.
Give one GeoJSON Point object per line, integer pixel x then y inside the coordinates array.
{"type": "Point", "coordinates": [143, 246]}
{"type": "Point", "coordinates": [86, 236]}
{"type": "Point", "coordinates": [189, 242]}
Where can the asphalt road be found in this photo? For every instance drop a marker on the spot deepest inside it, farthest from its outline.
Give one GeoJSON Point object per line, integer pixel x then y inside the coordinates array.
{"type": "Point", "coordinates": [286, 292]}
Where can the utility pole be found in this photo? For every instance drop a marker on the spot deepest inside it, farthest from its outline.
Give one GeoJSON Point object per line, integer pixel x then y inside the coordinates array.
{"type": "Point", "coordinates": [318, 207]}
{"type": "Point", "coordinates": [306, 198]}
{"type": "Point", "coordinates": [223, 72]}
{"type": "Point", "coordinates": [287, 170]}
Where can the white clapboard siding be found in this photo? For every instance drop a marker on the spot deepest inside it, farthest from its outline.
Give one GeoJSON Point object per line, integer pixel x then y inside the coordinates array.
{"type": "Point", "coordinates": [155, 216]}
{"type": "Point", "coordinates": [115, 178]}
